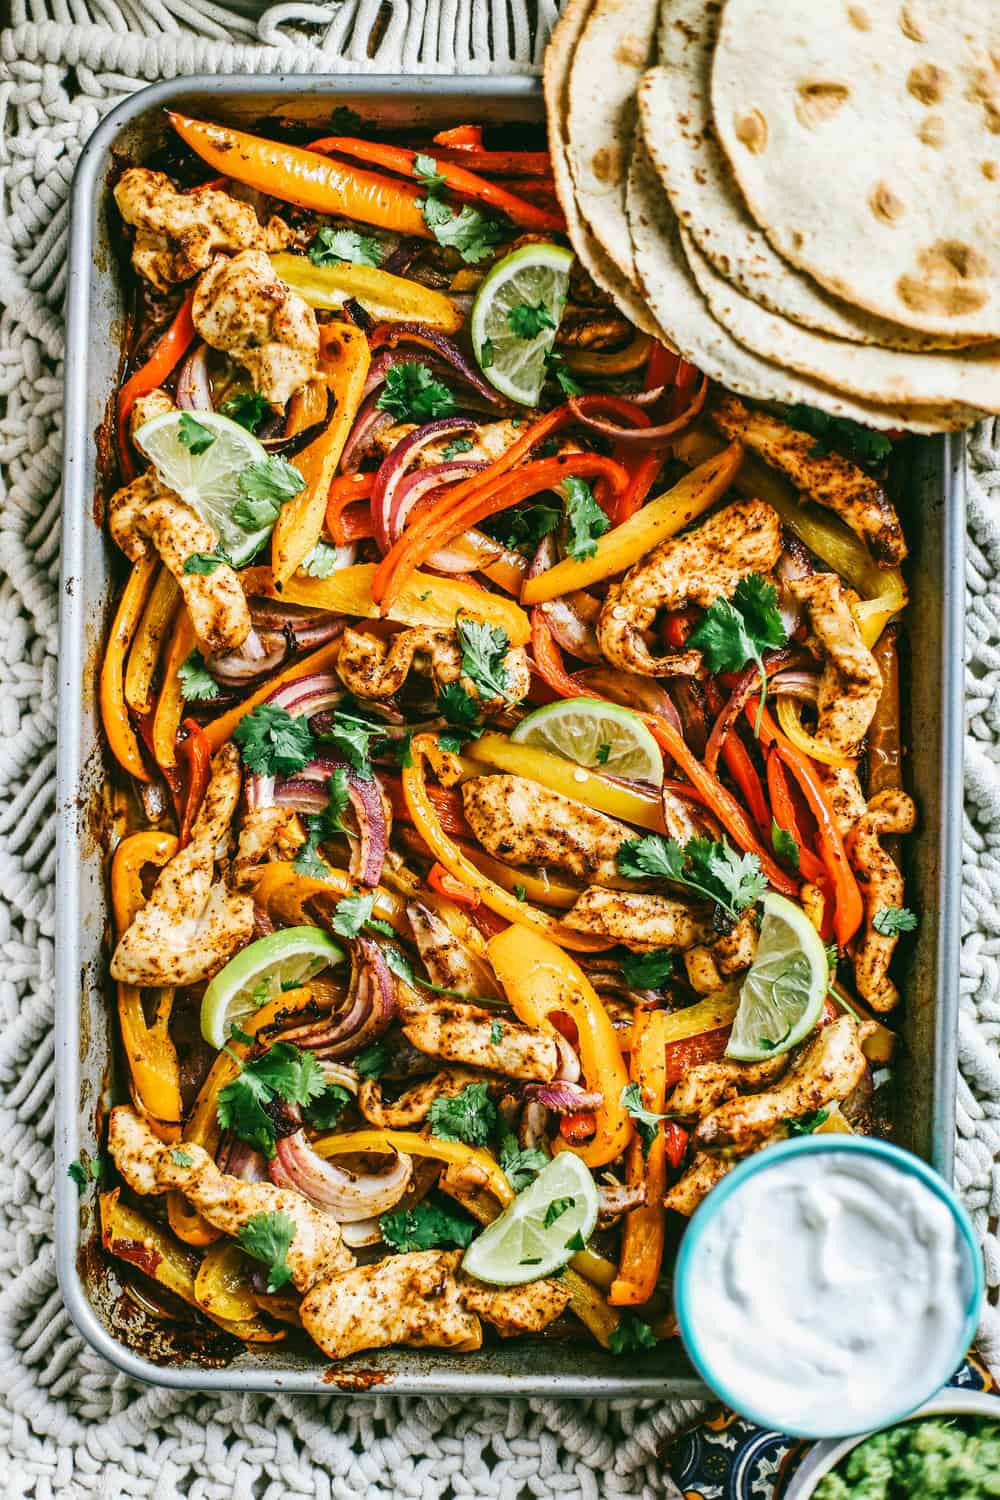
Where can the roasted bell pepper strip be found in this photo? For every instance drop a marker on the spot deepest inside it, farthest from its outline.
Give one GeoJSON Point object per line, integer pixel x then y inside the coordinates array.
{"type": "Point", "coordinates": [608, 364]}
{"type": "Point", "coordinates": [306, 408]}
{"type": "Point", "coordinates": [458, 178]}
{"type": "Point", "coordinates": [736, 758]}
{"type": "Point", "coordinates": [344, 492]}
{"type": "Point", "coordinates": [152, 1058]}
{"type": "Point", "coordinates": [537, 886]}
{"type": "Point", "coordinates": [284, 892]}
{"type": "Point", "coordinates": [789, 712]}
{"type": "Point", "coordinates": [709, 1047]}
{"type": "Point", "coordinates": [170, 704]}
{"type": "Point", "coordinates": [198, 754]}
{"type": "Point", "coordinates": [586, 1302]}
{"type": "Point", "coordinates": [447, 804]}
{"type": "Point", "coordinates": [448, 854]}
{"type": "Point", "coordinates": [642, 477]}
{"type": "Point", "coordinates": [409, 1143]}
{"type": "Point", "coordinates": [145, 653]}
{"type": "Point", "coordinates": [305, 178]}
{"type": "Point", "coordinates": [456, 890]}
{"type": "Point", "coordinates": [616, 799]}
{"type": "Point", "coordinates": [467, 137]}
{"type": "Point", "coordinates": [644, 1229]}
{"type": "Point", "coordinates": [343, 364]}
{"type": "Point", "coordinates": [786, 815]}
{"type": "Point", "coordinates": [698, 1033]}
{"type": "Point", "coordinates": [320, 660]}
{"type": "Point", "coordinates": [578, 1128]}
{"type": "Point", "coordinates": [167, 353]}
{"type": "Point", "coordinates": [384, 296]}
{"type": "Point", "coordinates": [539, 979]}
{"type": "Point", "coordinates": [114, 711]}
{"type": "Point", "coordinates": [626, 544]}
{"type": "Point", "coordinates": [223, 1287]}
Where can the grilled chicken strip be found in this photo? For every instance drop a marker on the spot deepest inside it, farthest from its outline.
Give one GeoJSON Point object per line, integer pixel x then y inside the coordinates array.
{"type": "Point", "coordinates": [241, 306]}
{"type": "Point", "coordinates": [462, 1033]}
{"type": "Point", "coordinates": [374, 668]}
{"type": "Point", "coordinates": [148, 1165]}
{"type": "Point", "coordinates": [707, 1085]}
{"type": "Point", "coordinates": [447, 959]}
{"type": "Point", "coordinates": [489, 442]}
{"type": "Point", "coordinates": [844, 794]}
{"type": "Point", "coordinates": [696, 1182]}
{"type": "Point", "coordinates": [154, 403]}
{"type": "Point", "coordinates": [697, 568]}
{"type": "Point", "coordinates": [526, 824]}
{"type": "Point", "coordinates": [264, 831]}
{"type": "Point", "coordinates": [177, 234]}
{"type": "Point", "coordinates": [827, 478]}
{"type": "Point", "coordinates": [825, 1068]}
{"type": "Point", "coordinates": [191, 923]}
{"type": "Point", "coordinates": [405, 1299]}
{"type": "Point", "coordinates": [641, 921]}
{"type": "Point", "coordinates": [514, 1309]}
{"type": "Point", "coordinates": [851, 683]}
{"type": "Point", "coordinates": [730, 953]}
{"type": "Point", "coordinates": [882, 886]}
{"type": "Point", "coordinates": [143, 515]}
{"type": "Point", "coordinates": [411, 1108]}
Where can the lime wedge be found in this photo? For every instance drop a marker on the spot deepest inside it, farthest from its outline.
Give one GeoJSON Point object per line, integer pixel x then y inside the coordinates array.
{"type": "Point", "coordinates": [782, 995]}
{"type": "Point", "coordinates": [521, 297]}
{"type": "Point", "coordinates": [601, 736]}
{"type": "Point", "coordinates": [209, 479]}
{"type": "Point", "coordinates": [261, 971]}
{"type": "Point", "coordinates": [541, 1229]}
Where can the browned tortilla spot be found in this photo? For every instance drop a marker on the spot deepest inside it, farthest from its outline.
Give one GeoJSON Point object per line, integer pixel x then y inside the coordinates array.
{"type": "Point", "coordinates": [932, 130]}
{"type": "Point", "coordinates": [859, 18]}
{"type": "Point", "coordinates": [818, 100]}
{"type": "Point", "coordinates": [948, 282]}
{"type": "Point", "coordinates": [885, 204]}
{"type": "Point", "coordinates": [606, 163]}
{"type": "Point", "coordinates": [751, 131]}
{"type": "Point", "coordinates": [909, 24]}
{"type": "Point", "coordinates": [926, 82]}
{"type": "Point", "coordinates": [631, 52]}
{"type": "Point", "coordinates": [989, 170]}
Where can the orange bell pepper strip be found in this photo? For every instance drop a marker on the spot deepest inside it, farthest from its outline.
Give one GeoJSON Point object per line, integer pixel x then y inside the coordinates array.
{"type": "Point", "coordinates": [456, 890]}
{"type": "Point", "coordinates": [698, 1033]}
{"type": "Point", "coordinates": [170, 704]}
{"type": "Point", "coordinates": [539, 979]}
{"type": "Point", "coordinates": [145, 653]}
{"type": "Point", "coordinates": [152, 1058]}
{"type": "Point", "coordinates": [736, 758]}
{"type": "Point", "coordinates": [447, 854]}
{"type": "Point", "coordinates": [344, 492]}
{"type": "Point", "coordinates": [644, 1230]}
{"type": "Point", "coordinates": [122, 740]}
{"type": "Point", "coordinates": [198, 754]}
{"type": "Point", "coordinates": [305, 178]}
{"type": "Point", "coordinates": [787, 817]}
{"type": "Point", "coordinates": [343, 364]}
{"type": "Point", "coordinates": [283, 892]}
{"type": "Point", "coordinates": [578, 1128]}
{"type": "Point", "coordinates": [458, 178]}
{"type": "Point", "coordinates": [320, 660]}
{"type": "Point", "coordinates": [447, 803]}
{"type": "Point", "coordinates": [167, 353]}
{"type": "Point", "coordinates": [536, 165]}
{"type": "Point", "coordinates": [467, 137]}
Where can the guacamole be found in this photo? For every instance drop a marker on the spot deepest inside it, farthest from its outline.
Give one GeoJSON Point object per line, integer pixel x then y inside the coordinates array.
{"type": "Point", "coordinates": [941, 1458]}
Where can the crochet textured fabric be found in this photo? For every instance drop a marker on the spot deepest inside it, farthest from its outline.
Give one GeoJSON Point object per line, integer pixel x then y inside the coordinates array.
{"type": "Point", "coordinates": [69, 1425]}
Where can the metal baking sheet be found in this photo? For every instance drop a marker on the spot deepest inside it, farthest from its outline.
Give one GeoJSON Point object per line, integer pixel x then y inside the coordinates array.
{"type": "Point", "coordinates": [85, 1015]}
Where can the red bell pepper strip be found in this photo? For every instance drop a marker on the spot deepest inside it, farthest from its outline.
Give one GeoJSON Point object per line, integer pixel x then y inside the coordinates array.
{"type": "Point", "coordinates": [468, 137]}
{"type": "Point", "coordinates": [342, 493]}
{"type": "Point", "coordinates": [675, 1142]}
{"type": "Point", "coordinates": [642, 476]}
{"type": "Point", "coordinates": [198, 753]}
{"type": "Point", "coordinates": [678, 626]}
{"type": "Point", "coordinates": [456, 890]}
{"type": "Point", "coordinates": [167, 353]}
{"type": "Point", "coordinates": [447, 804]}
{"type": "Point", "coordinates": [458, 178]}
{"type": "Point", "coordinates": [736, 758]}
{"type": "Point", "coordinates": [578, 1128]}
{"type": "Point", "coordinates": [786, 816]}
{"type": "Point", "coordinates": [707, 1046]}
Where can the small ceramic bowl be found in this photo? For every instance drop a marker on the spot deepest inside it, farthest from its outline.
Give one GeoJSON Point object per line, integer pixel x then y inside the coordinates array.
{"type": "Point", "coordinates": [827, 1455]}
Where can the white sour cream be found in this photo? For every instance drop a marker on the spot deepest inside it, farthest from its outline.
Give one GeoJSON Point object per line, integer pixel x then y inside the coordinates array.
{"type": "Point", "coordinates": [828, 1293]}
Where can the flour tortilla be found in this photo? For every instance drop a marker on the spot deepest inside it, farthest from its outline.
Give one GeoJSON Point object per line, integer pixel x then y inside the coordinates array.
{"type": "Point", "coordinates": [865, 137]}
{"type": "Point", "coordinates": [684, 315]}
{"type": "Point", "coordinates": [603, 271]}
{"type": "Point", "coordinates": [675, 107]}
{"type": "Point", "coordinates": [611, 55]}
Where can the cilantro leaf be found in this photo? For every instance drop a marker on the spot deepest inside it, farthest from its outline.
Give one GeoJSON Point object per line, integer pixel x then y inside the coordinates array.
{"type": "Point", "coordinates": [379, 925]}
{"type": "Point", "coordinates": [576, 1241]}
{"type": "Point", "coordinates": [484, 657]}
{"type": "Point", "coordinates": [351, 915]}
{"type": "Point", "coordinates": [858, 442]}
{"type": "Point", "coordinates": [468, 232]}
{"type": "Point", "coordinates": [352, 737]}
{"type": "Point", "coordinates": [455, 447]}
{"type": "Point", "coordinates": [425, 1227]}
{"type": "Point", "coordinates": [528, 320]}
{"type": "Point", "coordinates": [264, 487]}
{"type": "Point", "coordinates": [487, 354]}
{"type": "Point", "coordinates": [715, 870]}
{"type": "Point", "coordinates": [308, 860]}
{"type": "Point", "coordinates": [585, 518]}
{"type": "Point", "coordinates": [83, 1175]}
{"type": "Point", "coordinates": [323, 1112]}
{"type": "Point", "coordinates": [523, 527]}
{"type": "Point", "coordinates": [556, 366]}
{"type": "Point", "coordinates": [425, 170]}
{"type": "Point", "coordinates": [631, 1336]}
{"type": "Point", "coordinates": [272, 742]}
{"type": "Point", "coordinates": [469, 1116]}
{"type": "Point", "coordinates": [202, 562]}
{"type": "Point", "coordinates": [496, 1033]}
{"type": "Point", "coordinates": [647, 1121]}
{"type": "Point", "coordinates": [181, 1158]}
{"type": "Point", "coordinates": [284, 1072]}
{"type": "Point", "coordinates": [784, 844]}
{"type": "Point", "coordinates": [890, 921]}
{"type": "Point", "coordinates": [196, 682]}
{"type": "Point", "coordinates": [332, 247]}
{"type": "Point", "coordinates": [731, 634]}
{"type": "Point", "coordinates": [248, 409]}
{"type": "Point", "coordinates": [268, 1237]}
{"type": "Point", "coordinates": [603, 754]}
{"type": "Point", "coordinates": [647, 971]}
{"type": "Point", "coordinates": [806, 1124]}
{"type": "Point", "coordinates": [556, 1209]}
{"type": "Point", "coordinates": [520, 1167]}
{"type": "Point", "coordinates": [459, 708]}
{"type": "Point", "coordinates": [399, 964]}
{"type": "Point", "coordinates": [412, 394]}
{"type": "Point", "coordinates": [194, 435]}
{"type": "Point", "coordinates": [520, 892]}
{"type": "Point", "coordinates": [372, 1061]}
{"type": "Point", "coordinates": [323, 561]}
{"type": "Point", "coordinates": [402, 749]}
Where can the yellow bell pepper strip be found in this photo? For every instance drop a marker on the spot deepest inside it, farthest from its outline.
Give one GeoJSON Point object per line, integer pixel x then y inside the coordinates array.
{"type": "Point", "coordinates": [130, 1236]}
{"type": "Point", "coordinates": [409, 1143]}
{"type": "Point", "coordinates": [305, 177]}
{"type": "Point", "coordinates": [428, 825]}
{"type": "Point", "coordinates": [789, 712]}
{"type": "Point", "coordinates": [538, 979]}
{"type": "Point", "coordinates": [626, 544]}
{"type": "Point", "coordinates": [607, 364]}
{"type": "Point", "coordinates": [170, 704]}
{"type": "Point", "coordinates": [880, 1045]}
{"type": "Point", "coordinates": [145, 653]}
{"type": "Point", "coordinates": [222, 1287]}
{"type": "Point", "coordinates": [307, 406]}
{"type": "Point", "coordinates": [152, 1058]}
{"type": "Point", "coordinates": [343, 364]}
{"type": "Point", "coordinates": [321, 660]}
{"type": "Point", "coordinates": [590, 1307]}
{"type": "Point", "coordinates": [283, 892]}
{"type": "Point", "coordinates": [539, 887]}
{"type": "Point", "coordinates": [167, 352]}
{"type": "Point", "coordinates": [390, 299]}
{"type": "Point", "coordinates": [644, 1229]}
{"type": "Point", "coordinates": [122, 738]}
{"type": "Point", "coordinates": [629, 803]}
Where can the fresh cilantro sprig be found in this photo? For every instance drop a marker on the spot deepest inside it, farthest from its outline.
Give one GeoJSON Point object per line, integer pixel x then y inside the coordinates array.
{"type": "Point", "coordinates": [469, 1116]}
{"type": "Point", "coordinates": [523, 527]}
{"type": "Point", "coordinates": [462, 712]}
{"type": "Point", "coordinates": [732, 633]}
{"type": "Point", "coordinates": [556, 1209]}
{"type": "Point", "coordinates": [284, 1072]}
{"type": "Point", "coordinates": [268, 1238]}
{"type": "Point", "coordinates": [195, 681]}
{"type": "Point", "coordinates": [353, 737]}
{"type": "Point", "coordinates": [264, 487]}
{"type": "Point", "coordinates": [331, 247]}
{"type": "Point", "coordinates": [806, 1124]}
{"type": "Point", "coordinates": [784, 845]}
{"type": "Point", "coordinates": [425, 170]}
{"type": "Point", "coordinates": [427, 1226]}
{"type": "Point", "coordinates": [323, 561]}
{"type": "Point", "coordinates": [585, 520]}
{"type": "Point", "coordinates": [468, 232]}
{"type": "Point", "coordinates": [484, 657]}
{"type": "Point", "coordinates": [413, 394]}
{"type": "Point", "coordinates": [890, 921]}
{"type": "Point", "coordinates": [520, 1165]}
{"type": "Point", "coordinates": [324, 1112]}
{"type": "Point", "coordinates": [202, 563]}
{"type": "Point", "coordinates": [322, 826]}
{"type": "Point", "coordinates": [273, 742]}
{"type": "Point", "coordinates": [248, 409]}
{"type": "Point", "coordinates": [647, 971]}
{"type": "Point", "coordinates": [194, 435]}
{"type": "Point", "coordinates": [457, 445]}
{"type": "Point", "coordinates": [558, 369]}
{"type": "Point", "coordinates": [527, 320]}
{"type": "Point", "coordinates": [715, 870]}
{"type": "Point", "coordinates": [647, 1121]}
{"type": "Point", "coordinates": [858, 442]}
{"type": "Point", "coordinates": [84, 1175]}
{"type": "Point", "coordinates": [372, 1061]}
{"type": "Point", "coordinates": [631, 1336]}
{"type": "Point", "coordinates": [352, 913]}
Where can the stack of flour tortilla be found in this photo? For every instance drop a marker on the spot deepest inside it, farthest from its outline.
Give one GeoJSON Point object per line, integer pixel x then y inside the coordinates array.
{"type": "Point", "coordinates": [802, 197]}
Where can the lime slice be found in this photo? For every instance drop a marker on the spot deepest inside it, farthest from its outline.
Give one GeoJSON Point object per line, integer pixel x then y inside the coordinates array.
{"type": "Point", "coordinates": [782, 996]}
{"type": "Point", "coordinates": [521, 1246]}
{"type": "Point", "coordinates": [261, 971]}
{"type": "Point", "coordinates": [209, 481]}
{"type": "Point", "coordinates": [536, 276]}
{"type": "Point", "coordinates": [601, 736]}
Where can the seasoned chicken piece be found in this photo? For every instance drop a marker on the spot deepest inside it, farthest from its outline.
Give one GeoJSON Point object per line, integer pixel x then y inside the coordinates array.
{"type": "Point", "coordinates": [583, 328]}
{"type": "Point", "coordinates": [851, 683]}
{"type": "Point", "coordinates": [446, 958]}
{"type": "Point", "coordinates": [191, 923]}
{"type": "Point", "coordinates": [265, 831]}
{"type": "Point", "coordinates": [641, 921]}
{"type": "Point", "coordinates": [844, 794]}
{"type": "Point", "coordinates": [411, 1108]}
{"type": "Point", "coordinates": [405, 1299]}
{"type": "Point", "coordinates": [824, 477]}
{"type": "Point", "coordinates": [373, 668]}
{"type": "Point", "coordinates": [154, 404]}
{"type": "Point", "coordinates": [697, 568]}
{"type": "Point", "coordinates": [469, 1185]}
{"type": "Point", "coordinates": [826, 1067]}
{"type": "Point", "coordinates": [881, 885]}
{"type": "Point", "coordinates": [463, 1033]}
{"type": "Point", "coordinates": [696, 1182]}
{"type": "Point", "coordinates": [707, 1085]}
{"type": "Point", "coordinates": [524, 823]}
{"type": "Point", "coordinates": [143, 515]}
{"type": "Point", "coordinates": [514, 1309]}
{"type": "Point", "coordinates": [149, 1165]}
{"type": "Point", "coordinates": [177, 234]}
{"type": "Point", "coordinates": [730, 953]}
{"type": "Point", "coordinates": [241, 306]}
{"type": "Point", "coordinates": [615, 1198]}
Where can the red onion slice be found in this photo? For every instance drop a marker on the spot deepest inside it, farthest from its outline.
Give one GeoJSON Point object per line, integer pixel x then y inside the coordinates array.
{"type": "Point", "coordinates": [367, 424]}
{"type": "Point", "coordinates": [648, 436]}
{"type": "Point", "coordinates": [262, 653]}
{"type": "Point", "coordinates": [194, 390]}
{"type": "Point", "coordinates": [366, 1014]}
{"type": "Point", "coordinates": [391, 335]}
{"type": "Point", "coordinates": [393, 468]}
{"type": "Point", "coordinates": [307, 792]}
{"type": "Point", "coordinates": [563, 1097]}
{"type": "Point", "coordinates": [308, 695]}
{"type": "Point", "coordinates": [350, 1196]}
{"type": "Point", "coordinates": [796, 684]}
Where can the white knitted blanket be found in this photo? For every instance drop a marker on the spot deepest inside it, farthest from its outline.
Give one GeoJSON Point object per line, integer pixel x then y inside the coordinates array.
{"type": "Point", "coordinates": [69, 1425]}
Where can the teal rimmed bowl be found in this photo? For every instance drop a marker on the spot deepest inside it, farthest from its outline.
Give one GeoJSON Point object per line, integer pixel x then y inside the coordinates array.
{"type": "Point", "coordinates": [771, 1160]}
